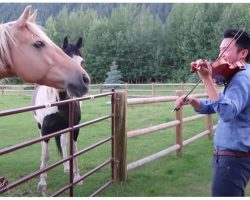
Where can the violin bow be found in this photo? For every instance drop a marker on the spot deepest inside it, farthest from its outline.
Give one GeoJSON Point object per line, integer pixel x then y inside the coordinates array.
{"type": "Point", "coordinates": [227, 48]}
{"type": "Point", "coordinates": [234, 39]}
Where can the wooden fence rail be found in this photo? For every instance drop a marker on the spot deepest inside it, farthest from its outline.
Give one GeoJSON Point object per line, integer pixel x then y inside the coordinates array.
{"type": "Point", "coordinates": [132, 90]}
{"type": "Point", "coordinates": [177, 123]}
{"type": "Point", "coordinates": [119, 110]}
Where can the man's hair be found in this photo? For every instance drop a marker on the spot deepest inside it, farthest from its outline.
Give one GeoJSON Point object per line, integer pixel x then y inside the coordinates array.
{"type": "Point", "coordinates": [243, 42]}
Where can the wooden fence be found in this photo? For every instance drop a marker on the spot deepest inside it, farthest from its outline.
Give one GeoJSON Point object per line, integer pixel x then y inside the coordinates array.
{"type": "Point", "coordinates": [120, 102]}
{"type": "Point", "coordinates": [132, 90]}
{"type": "Point", "coordinates": [177, 123]}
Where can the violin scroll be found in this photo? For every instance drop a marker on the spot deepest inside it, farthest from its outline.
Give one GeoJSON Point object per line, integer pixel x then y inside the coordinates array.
{"type": "Point", "coordinates": [198, 64]}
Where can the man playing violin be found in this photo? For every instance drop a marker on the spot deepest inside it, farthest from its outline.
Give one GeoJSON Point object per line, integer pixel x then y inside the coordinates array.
{"type": "Point", "coordinates": [231, 161]}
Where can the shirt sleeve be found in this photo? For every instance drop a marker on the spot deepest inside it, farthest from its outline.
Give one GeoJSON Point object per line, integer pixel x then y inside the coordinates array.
{"type": "Point", "coordinates": [235, 98]}
{"type": "Point", "coordinates": [206, 107]}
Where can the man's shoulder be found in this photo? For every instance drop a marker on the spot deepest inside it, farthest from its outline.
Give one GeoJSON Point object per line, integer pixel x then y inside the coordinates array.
{"type": "Point", "coordinates": [242, 77]}
{"type": "Point", "coordinates": [244, 73]}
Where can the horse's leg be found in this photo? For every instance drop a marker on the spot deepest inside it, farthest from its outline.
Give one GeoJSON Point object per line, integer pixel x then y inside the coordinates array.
{"type": "Point", "coordinates": [42, 185]}
{"type": "Point", "coordinates": [75, 165]}
{"type": "Point", "coordinates": [64, 141]}
{"type": "Point", "coordinates": [76, 168]}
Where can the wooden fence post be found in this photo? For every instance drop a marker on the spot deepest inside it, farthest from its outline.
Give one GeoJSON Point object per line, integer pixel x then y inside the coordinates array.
{"type": "Point", "coordinates": [209, 125]}
{"type": "Point", "coordinates": [126, 89]}
{"type": "Point", "coordinates": [182, 85]}
{"type": "Point", "coordinates": [20, 89]}
{"type": "Point", "coordinates": [100, 88]}
{"type": "Point", "coordinates": [179, 127]}
{"type": "Point", "coordinates": [3, 182]}
{"type": "Point", "coordinates": [2, 87]}
{"type": "Point", "coordinates": [120, 136]}
{"type": "Point", "coordinates": [153, 89]}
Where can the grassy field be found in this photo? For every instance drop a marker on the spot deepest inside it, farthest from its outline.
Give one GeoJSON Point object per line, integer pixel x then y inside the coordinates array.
{"type": "Point", "coordinates": [188, 175]}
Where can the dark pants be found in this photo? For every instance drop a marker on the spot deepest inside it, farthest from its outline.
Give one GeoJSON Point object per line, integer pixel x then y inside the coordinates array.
{"type": "Point", "coordinates": [230, 176]}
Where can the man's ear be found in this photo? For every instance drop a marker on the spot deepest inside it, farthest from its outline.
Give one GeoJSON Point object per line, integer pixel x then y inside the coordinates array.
{"type": "Point", "coordinates": [244, 53]}
{"type": "Point", "coordinates": [24, 17]}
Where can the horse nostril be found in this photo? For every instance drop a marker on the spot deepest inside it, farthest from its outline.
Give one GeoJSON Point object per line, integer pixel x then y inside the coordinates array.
{"type": "Point", "coordinates": [85, 79]}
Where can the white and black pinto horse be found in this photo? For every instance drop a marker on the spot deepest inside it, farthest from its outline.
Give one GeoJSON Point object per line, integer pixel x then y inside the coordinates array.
{"type": "Point", "coordinates": [56, 118]}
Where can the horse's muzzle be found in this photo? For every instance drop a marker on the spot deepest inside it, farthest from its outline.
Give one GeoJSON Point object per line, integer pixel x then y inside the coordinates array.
{"type": "Point", "coordinates": [78, 90]}
{"type": "Point", "coordinates": [86, 80]}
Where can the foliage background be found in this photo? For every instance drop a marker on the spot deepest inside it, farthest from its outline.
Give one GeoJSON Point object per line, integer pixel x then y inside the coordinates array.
{"type": "Point", "coordinates": [153, 42]}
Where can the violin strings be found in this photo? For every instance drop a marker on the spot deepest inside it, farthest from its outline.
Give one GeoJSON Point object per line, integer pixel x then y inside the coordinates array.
{"type": "Point", "coordinates": [243, 63]}
{"type": "Point", "coordinates": [243, 29]}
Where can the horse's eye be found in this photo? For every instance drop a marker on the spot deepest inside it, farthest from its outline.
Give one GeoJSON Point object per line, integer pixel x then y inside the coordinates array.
{"type": "Point", "coordinates": [39, 44]}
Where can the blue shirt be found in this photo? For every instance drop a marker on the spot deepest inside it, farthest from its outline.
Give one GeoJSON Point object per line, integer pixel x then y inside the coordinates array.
{"type": "Point", "coordinates": [233, 109]}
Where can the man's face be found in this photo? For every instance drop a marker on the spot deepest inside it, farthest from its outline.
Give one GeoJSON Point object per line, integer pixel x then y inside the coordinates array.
{"type": "Point", "coordinates": [232, 54]}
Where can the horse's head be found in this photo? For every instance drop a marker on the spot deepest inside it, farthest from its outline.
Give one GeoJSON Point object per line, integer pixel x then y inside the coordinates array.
{"type": "Point", "coordinates": [74, 50]}
{"type": "Point", "coordinates": [27, 52]}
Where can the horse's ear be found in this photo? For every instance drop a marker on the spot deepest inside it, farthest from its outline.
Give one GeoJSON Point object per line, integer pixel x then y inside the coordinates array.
{"type": "Point", "coordinates": [79, 43]}
{"type": "Point", "coordinates": [24, 16]}
{"type": "Point", "coordinates": [65, 42]}
{"type": "Point", "coordinates": [32, 17]}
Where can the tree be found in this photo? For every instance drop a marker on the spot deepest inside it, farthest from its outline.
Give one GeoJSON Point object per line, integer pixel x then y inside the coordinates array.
{"type": "Point", "coordinates": [192, 32]}
{"type": "Point", "coordinates": [234, 16]}
{"type": "Point", "coordinates": [132, 36]}
{"type": "Point", "coordinates": [141, 43]}
{"type": "Point", "coordinates": [114, 75]}
{"type": "Point", "coordinates": [174, 34]}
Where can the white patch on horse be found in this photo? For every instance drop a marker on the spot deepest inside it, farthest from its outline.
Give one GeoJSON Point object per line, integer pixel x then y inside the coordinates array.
{"type": "Point", "coordinates": [48, 95]}
{"type": "Point", "coordinates": [77, 59]}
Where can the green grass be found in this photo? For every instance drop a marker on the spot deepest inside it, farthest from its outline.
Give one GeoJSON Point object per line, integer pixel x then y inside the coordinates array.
{"type": "Point", "coordinates": [188, 175]}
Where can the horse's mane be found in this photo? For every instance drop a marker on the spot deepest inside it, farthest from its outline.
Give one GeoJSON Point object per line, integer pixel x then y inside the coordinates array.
{"type": "Point", "coordinates": [7, 33]}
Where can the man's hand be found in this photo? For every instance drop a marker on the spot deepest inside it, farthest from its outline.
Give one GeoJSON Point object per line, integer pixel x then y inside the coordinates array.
{"type": "Point", "coordinates": [203, 68]}
{"type": "Point", "coordinates": [183, 100]}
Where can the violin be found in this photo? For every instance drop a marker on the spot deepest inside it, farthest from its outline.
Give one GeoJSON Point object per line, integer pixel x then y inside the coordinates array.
{"type": "Point", "coordinates": [221, 70]}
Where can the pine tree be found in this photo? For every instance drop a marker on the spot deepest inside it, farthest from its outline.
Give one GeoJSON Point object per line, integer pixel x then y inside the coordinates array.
{"type": "Point", "coordinates": [114, 75]}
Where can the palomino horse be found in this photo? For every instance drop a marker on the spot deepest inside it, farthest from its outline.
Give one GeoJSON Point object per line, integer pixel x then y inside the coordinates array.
{"type": "Point", "coordinates": [57, 118]}
{"type": "Point", "coordinates": [27, 52]}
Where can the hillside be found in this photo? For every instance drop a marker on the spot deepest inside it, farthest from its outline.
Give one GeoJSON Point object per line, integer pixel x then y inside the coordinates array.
{"type": "Point", "coordinates": [48, 9]}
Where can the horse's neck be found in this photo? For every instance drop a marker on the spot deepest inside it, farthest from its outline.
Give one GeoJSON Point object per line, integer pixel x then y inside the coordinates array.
{"type": "Point", "coordinates": [5, 71]}
{"type": "Point", "coordinates": [45, 94]}
{"type": "Point", "coordinates": [63, 95]}
{"type": "Point", "coordinates": [52, 94]}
